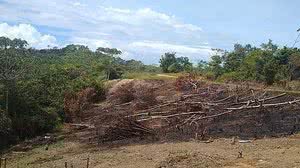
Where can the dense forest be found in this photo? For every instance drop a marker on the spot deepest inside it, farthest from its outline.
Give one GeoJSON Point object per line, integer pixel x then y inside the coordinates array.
{"type": "Point", "coordinates": [34, 82]}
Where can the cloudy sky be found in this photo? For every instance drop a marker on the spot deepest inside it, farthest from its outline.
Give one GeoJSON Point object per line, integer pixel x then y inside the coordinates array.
{"type": "Point", "coordinates": [145, 29]}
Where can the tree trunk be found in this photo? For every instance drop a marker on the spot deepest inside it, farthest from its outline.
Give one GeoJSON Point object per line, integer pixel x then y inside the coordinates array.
{"type": "Point", "coordinates": [6, 102]}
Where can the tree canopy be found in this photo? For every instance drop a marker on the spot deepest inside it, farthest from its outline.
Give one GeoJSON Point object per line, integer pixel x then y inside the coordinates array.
{"type": "Point", "coordinates": [267, 64]}
{"type": "Point", "coordinates": [170, 63]}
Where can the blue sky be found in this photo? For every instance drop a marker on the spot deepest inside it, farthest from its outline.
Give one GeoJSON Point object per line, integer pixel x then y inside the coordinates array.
{"type": "Point", "coordinates": [145, 29]}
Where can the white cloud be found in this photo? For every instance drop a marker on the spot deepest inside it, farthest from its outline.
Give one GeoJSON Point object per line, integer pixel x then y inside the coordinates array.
{"type": "Point", "coordinates": [194, 53]}
{"type": "Point", "coordinates": [28, 33]}
{"type": "Point", "coordinates": [125, 55]}
{"type": "Point", "coordinates": [147, 15]}
{"type": "Point", "coordinates": [93, 24]}
{"type": "Point", "coordinates": [78, 4]}
{"type": "Point", "coordinates": [65, 14]}
{"type": "Point", "coordinates": [117, 10]}
{"type": "Point", "coordinates": [188, 27]}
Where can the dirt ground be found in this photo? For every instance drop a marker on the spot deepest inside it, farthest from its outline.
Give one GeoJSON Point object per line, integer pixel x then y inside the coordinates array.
{"type": "Point", "coordinates": [267, 152]}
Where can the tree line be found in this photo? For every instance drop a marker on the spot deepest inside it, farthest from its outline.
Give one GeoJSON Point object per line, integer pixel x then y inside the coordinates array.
{"type": "Point", "coordinates": [267, 64]}
{"type": "Point", "coordinates": [33, 83]}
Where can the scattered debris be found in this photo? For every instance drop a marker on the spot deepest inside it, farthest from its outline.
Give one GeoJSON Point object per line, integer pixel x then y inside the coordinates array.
{"type": "Point", "coordinates": [38, 141]}
{"type": "Point", "coordinates": [240, 155]}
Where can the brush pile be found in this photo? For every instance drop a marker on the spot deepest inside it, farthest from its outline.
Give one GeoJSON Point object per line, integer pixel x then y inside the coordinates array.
{"type": "Point", "coordinates": [125, 129]}
{"type": "Point", "coordinates": [204, 110]}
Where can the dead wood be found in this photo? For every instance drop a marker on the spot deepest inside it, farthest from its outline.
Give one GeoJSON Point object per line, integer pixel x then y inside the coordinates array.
{"type": "Point", "coordinates": [199, 109]}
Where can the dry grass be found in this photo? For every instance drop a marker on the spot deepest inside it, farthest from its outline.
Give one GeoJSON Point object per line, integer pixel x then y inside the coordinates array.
{"type": "Point", "coordinates": [267, 153]}
{"type": "Point", "coordinates": [145, 75]}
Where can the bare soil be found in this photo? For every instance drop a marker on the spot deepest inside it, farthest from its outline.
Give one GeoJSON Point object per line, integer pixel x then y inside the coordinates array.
{"type": "Point", "coordinates": [264, 153]}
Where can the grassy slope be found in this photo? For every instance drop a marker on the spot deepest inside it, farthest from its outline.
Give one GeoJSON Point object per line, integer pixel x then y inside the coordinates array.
{"type": "Point", "coordinates": [167, 76]}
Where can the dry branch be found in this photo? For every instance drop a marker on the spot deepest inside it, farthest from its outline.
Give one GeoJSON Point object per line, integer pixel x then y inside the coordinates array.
{"type": "Point", "coordinates": [173, 115]}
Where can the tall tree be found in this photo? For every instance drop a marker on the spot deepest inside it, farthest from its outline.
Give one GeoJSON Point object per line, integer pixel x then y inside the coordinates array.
{"type": "Point", "coordinates": [12, 63]}
{"type": "Point", "coordinates": [215, 65]}
{"type": "Point", "coordinates": [167, 60]}
{"type": "Point", "coordinates": [184, 63]}
{"type": "Point", "coordinates": [269, 46]}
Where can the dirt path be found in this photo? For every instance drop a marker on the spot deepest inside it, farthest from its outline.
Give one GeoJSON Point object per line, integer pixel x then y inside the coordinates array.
{"type": "Point", "coordinates": [264, 153]}
{"type": "Point", "coordinates": [165, 75]}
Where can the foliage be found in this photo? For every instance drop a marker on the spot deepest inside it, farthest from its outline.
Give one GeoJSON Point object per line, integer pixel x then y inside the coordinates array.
{"type": "Point", "coordinates": [5, 124]}
{"type": "Point", "coordinates": [170, 64]}
{"type": "Point", "coordinates": [230, 77]}
{"type": "Point", "coordinates": [267, 64]}
{"type": "Point", "coordinates": [202, 66]}
{"type": "Point", "coordinates": [34, 83]}
{"type": "Point", "coordinates": [215, 66]}
{"type": "Point", "coordinates": [166, 61]}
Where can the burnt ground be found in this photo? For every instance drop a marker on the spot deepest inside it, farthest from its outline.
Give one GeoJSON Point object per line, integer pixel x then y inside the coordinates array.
{"type": "Point", "coordinates": [134, 97]}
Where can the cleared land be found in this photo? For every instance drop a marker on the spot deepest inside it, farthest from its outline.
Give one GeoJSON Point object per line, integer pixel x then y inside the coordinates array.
{"type": "Point", "coordinates": [279, 152]}
{"type": "Point", "coordinates": [129, 149]}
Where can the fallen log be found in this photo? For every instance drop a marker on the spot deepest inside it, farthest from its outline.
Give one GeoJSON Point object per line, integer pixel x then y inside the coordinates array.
{"type": "Point", "coordinates": [173, 115]}
{"type": "Point", "coordinates": [264, 105]}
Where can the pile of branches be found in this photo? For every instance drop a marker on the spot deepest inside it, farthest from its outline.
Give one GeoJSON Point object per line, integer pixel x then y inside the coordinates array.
{"type": "Point", "coordinates": [187, 83]}
{"type": "Point", "coordinates": [198, 111]}
{"type": "Point", "coordinates": [76, 103]}
{"type": "Point", "coordinates": [125, 129]}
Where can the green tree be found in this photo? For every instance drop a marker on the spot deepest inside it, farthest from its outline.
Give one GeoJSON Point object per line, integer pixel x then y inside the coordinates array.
{"type": "Point", "coordinates": [167, 60]}
{"type": "Point", "coordinates": [269, 46]}
{"type": "Point", "coordinates": [294, 65]}
{"type": "Point", "coordinates": [12, 64]}
{"type": "Point", "coordinates": [169, 63]}
{"type": "Point", "coordinates": [251, 66]}
{"type": "Point", "coordinates": [184, 64]}
{"type": "Point", "coordinates": [175, 68]}
{"type": "Point", "coordinates": [270, 70]}
{"type": "Point", "coordinates": [110, 51]}
{"type": "Point", "coordinates": [202, 66]}
{"type": "Point", "coordinates": [233, 60]}
{"type": "Point", "coordinates": [215, 66]}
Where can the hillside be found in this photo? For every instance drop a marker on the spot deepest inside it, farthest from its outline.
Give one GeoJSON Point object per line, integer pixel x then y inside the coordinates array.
{"type": "Point", "coordinates": [248, 134]}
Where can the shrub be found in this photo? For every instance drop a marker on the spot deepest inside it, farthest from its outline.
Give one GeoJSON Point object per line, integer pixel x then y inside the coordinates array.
{"type": "Point", "coordinates": [230, 77]}
{"type": "Point", "coordinates": [209, 75]}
